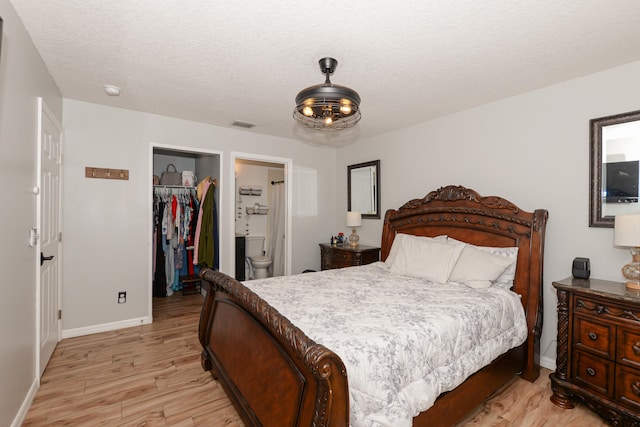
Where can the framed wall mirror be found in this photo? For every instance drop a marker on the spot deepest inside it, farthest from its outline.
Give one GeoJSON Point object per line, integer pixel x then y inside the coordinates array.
{"type": "Point", "coordinates": [614, 168]}
{"type": "Point", "coordinates": [363, 188]}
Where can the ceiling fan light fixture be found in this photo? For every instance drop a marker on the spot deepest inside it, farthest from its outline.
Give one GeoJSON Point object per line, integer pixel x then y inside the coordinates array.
{"type": "Point", "coordinates": [345, 106]}
{"type": "Point", "coordinates": [327, 106]}
{"type": "Point", "coordinates": [307, 111]}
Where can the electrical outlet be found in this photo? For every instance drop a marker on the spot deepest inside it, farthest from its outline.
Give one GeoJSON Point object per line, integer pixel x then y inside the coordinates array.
{"type": "Point", "coordinates": [122, 297]}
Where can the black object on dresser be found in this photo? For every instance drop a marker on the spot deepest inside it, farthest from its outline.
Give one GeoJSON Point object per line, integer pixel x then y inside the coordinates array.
{"type": "Point", "coordinates": [581, 268]}
{"type": "Point", "coordinates": [598, 358]}
{"type": "Point", "coordinates": [334, 256]}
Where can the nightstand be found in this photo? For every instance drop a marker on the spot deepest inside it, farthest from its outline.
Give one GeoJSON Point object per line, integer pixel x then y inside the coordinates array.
{"type": "Point", "coordinates": [344, 256]}
{"type": "Point", "coordinates": [598, 347]}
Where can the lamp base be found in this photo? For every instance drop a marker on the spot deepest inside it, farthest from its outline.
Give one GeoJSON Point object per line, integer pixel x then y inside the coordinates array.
{"type": "Point", "coordinates": [633, 286]}
{"type": "Point", "coordinates": [631, 271]}
{"type": "Point", "coordinates": [353, 239]}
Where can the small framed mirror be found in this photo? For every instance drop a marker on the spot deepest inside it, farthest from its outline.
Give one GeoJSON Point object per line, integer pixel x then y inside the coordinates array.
{"type": "Point", "coordinates": [363, 191]}
{"type": "Point", "coordinates": [614, 167]}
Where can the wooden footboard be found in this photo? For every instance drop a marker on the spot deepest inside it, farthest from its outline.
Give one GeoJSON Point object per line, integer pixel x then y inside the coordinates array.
{"type": "Point", "coordinates": [273, 372]}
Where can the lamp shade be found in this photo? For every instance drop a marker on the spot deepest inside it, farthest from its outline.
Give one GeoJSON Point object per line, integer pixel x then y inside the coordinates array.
{"type": "Point", "coordinates": [627, 230]}
{"type": "Point", "coordinates": [354, 219]}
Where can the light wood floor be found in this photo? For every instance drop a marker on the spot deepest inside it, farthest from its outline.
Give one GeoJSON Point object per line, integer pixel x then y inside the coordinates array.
{"type": "Point", "coordinates": [150, 375]}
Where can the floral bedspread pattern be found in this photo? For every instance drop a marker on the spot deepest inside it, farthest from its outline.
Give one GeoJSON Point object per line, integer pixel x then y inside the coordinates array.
{"type": "Point", "coordinates": [403, 340]}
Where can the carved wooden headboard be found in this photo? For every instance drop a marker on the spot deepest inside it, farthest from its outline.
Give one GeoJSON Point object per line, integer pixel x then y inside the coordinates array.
{"type": "Point", "coordinates": [465, 215]}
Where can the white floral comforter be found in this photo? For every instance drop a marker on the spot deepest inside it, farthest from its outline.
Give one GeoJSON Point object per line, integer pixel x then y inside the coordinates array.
{"type": "Point", "coordinates": [403, 340]}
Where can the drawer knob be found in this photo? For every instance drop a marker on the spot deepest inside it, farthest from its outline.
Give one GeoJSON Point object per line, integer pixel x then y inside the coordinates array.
{"type": "Point", "coordinates": [593, 336]}
{"type": "Point", "coordinates": [591, 372]}
{"type": "Point", "coordinates": [600, 309]}
{"type": "Point", "coordinates": [636, 348]}
{"type": "Point", "coordinates": [635, 388]}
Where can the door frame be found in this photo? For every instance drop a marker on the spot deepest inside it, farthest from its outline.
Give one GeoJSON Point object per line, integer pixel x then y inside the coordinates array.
{"type": "Point", "coordinates": [43, 109]}
{"type": "Point", "coordinates": [183, 149]}
{"type": "Point", "coordinates": [231, 209]}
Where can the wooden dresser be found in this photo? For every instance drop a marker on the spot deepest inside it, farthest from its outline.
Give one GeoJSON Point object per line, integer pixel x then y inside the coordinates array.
{"type": "Point", "coordinates": [598, 348]}
{"type": "Point", "coordinates": [345, 256]}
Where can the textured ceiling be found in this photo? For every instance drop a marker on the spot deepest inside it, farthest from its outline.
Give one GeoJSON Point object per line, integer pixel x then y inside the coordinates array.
{"type": "Point", "coordinates": [216, 62]}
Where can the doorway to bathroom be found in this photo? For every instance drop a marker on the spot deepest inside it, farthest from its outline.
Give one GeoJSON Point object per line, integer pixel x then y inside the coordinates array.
{"type": "Point", "coordinates": [262, 216]}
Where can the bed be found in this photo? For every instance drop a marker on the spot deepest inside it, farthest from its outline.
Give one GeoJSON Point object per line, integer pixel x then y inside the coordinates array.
{"type": "Point", "coordinates": [276, 375]}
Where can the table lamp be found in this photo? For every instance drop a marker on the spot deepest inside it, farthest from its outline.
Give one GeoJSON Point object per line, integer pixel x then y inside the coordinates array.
{"type": "Point", "coordinates": [354, 219]}
{"type": "Point", "coordinates": [627, 233]}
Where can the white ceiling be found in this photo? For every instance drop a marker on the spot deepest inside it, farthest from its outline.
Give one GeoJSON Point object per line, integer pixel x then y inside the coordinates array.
{"type": "Point", "coordinates": [220, 61]}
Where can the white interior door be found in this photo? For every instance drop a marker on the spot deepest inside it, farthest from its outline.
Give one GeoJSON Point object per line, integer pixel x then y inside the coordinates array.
{"type": "Point", "coordinates": [49, 220]}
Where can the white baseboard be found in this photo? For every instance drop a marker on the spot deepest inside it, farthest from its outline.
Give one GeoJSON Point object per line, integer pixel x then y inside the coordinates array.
{"type": "Point", "coordinates": [548, 363]}
{"type": "Point", "coordinates": [26, 404]}
{"type": "Point", "coordinates": [105, 327]}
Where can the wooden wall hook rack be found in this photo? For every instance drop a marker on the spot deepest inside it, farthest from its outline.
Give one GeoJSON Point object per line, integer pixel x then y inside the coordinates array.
{"type": "Point", "coordinates": [105, 173]}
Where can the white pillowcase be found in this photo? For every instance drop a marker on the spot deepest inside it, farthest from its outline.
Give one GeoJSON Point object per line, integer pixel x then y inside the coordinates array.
{"type": "Point", "coordinates": [477, 268]}
{"type": "Point", "coordinates": [428, 258]}
{"type": "Point", "coordinates": [505, 280]}
{"type": "Point", "coordinates": [402, 239]}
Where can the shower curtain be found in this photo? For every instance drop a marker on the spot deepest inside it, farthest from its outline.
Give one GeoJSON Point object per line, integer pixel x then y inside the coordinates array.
{"type": "Point", "coordinates": [276, 227]}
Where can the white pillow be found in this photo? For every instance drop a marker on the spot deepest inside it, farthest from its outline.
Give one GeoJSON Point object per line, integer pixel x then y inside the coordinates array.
{"type": "Point", "coordinates": [395, 248]}
{"type": "Point", "coordinates": [401, 239]}
{"type": "Point", "coordinates": [506, 279]}
{"type": "Point", "coordinates": [431, 259]}
{"type": "Point", "coordinates": [477, 268]}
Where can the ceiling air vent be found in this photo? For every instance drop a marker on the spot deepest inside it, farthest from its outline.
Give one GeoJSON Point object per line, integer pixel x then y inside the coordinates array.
{"type": "Point", "coordinates": [245, 125]}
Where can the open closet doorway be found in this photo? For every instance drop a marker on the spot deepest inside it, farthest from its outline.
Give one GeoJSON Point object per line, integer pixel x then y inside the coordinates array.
{"type": "Point", "coordinates": [262, 215]}
{"type": "Point", "coordinates": [185, 206]}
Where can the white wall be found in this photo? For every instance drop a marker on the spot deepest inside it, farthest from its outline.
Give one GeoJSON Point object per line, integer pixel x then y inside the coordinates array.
{"type": "Point", "coordinates": [532, 149]}
{"type": "Point", "coordinates": [23, 78]}
{"type": "Point", "coordinates": [107, 224]}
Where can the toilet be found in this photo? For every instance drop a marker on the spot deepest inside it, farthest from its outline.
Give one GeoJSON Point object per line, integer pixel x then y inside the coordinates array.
{"type": "Point", "coordinates": [254, 251]}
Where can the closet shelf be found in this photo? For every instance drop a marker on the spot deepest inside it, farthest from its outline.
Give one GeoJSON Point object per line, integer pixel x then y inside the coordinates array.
{"type": "Point", "coordinates": [257, 211]}
{"type": "Point", "coordinates": [250, 190]}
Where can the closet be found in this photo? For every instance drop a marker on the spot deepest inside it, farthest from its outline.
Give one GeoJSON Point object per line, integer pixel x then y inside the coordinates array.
{"type": "Point", "coordinates": [185, 220]}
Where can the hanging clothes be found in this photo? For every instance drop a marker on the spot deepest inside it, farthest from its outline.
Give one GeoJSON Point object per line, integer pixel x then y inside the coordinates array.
{"type": "Point", "coordinates": [202, 189]}
{"type": "Point", "coordinates": [174, 219]}
{"type": "Point", "coordinates": [195, 209]}
{"type": "Point", "coordinates": [159, 277]}
{"type": "Point", "coordinates": [208, 237]}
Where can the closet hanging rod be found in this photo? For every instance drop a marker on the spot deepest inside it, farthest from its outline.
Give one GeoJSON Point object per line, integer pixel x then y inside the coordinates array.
{"type": "Point", "coordinates": [174, 186]}
{"type": "Point", "coordinates": [277, 182]}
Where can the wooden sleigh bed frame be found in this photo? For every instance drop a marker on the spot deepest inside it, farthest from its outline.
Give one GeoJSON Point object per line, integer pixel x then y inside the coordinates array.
{"type": "Point", "coordinates": [277, 376]}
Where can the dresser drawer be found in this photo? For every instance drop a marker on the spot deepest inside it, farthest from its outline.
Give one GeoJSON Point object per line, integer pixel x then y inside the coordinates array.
{"type": "Point", "coordinates": [336, 259]}
{"type": "Point", "coordinates": [345, 256]}
{"type": "Point", "coordinates": [607, 310]}
{"type": "Point", "coordinates": [593, 372]}
{"type": "Point", "coordinates": [628, 351]}
{"type": "Point", "coordinates": [368, 257]}
{"type": "Point", "coordinates": [594, 336]}
{"type": "Point", "coordinates": [628, 387]}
